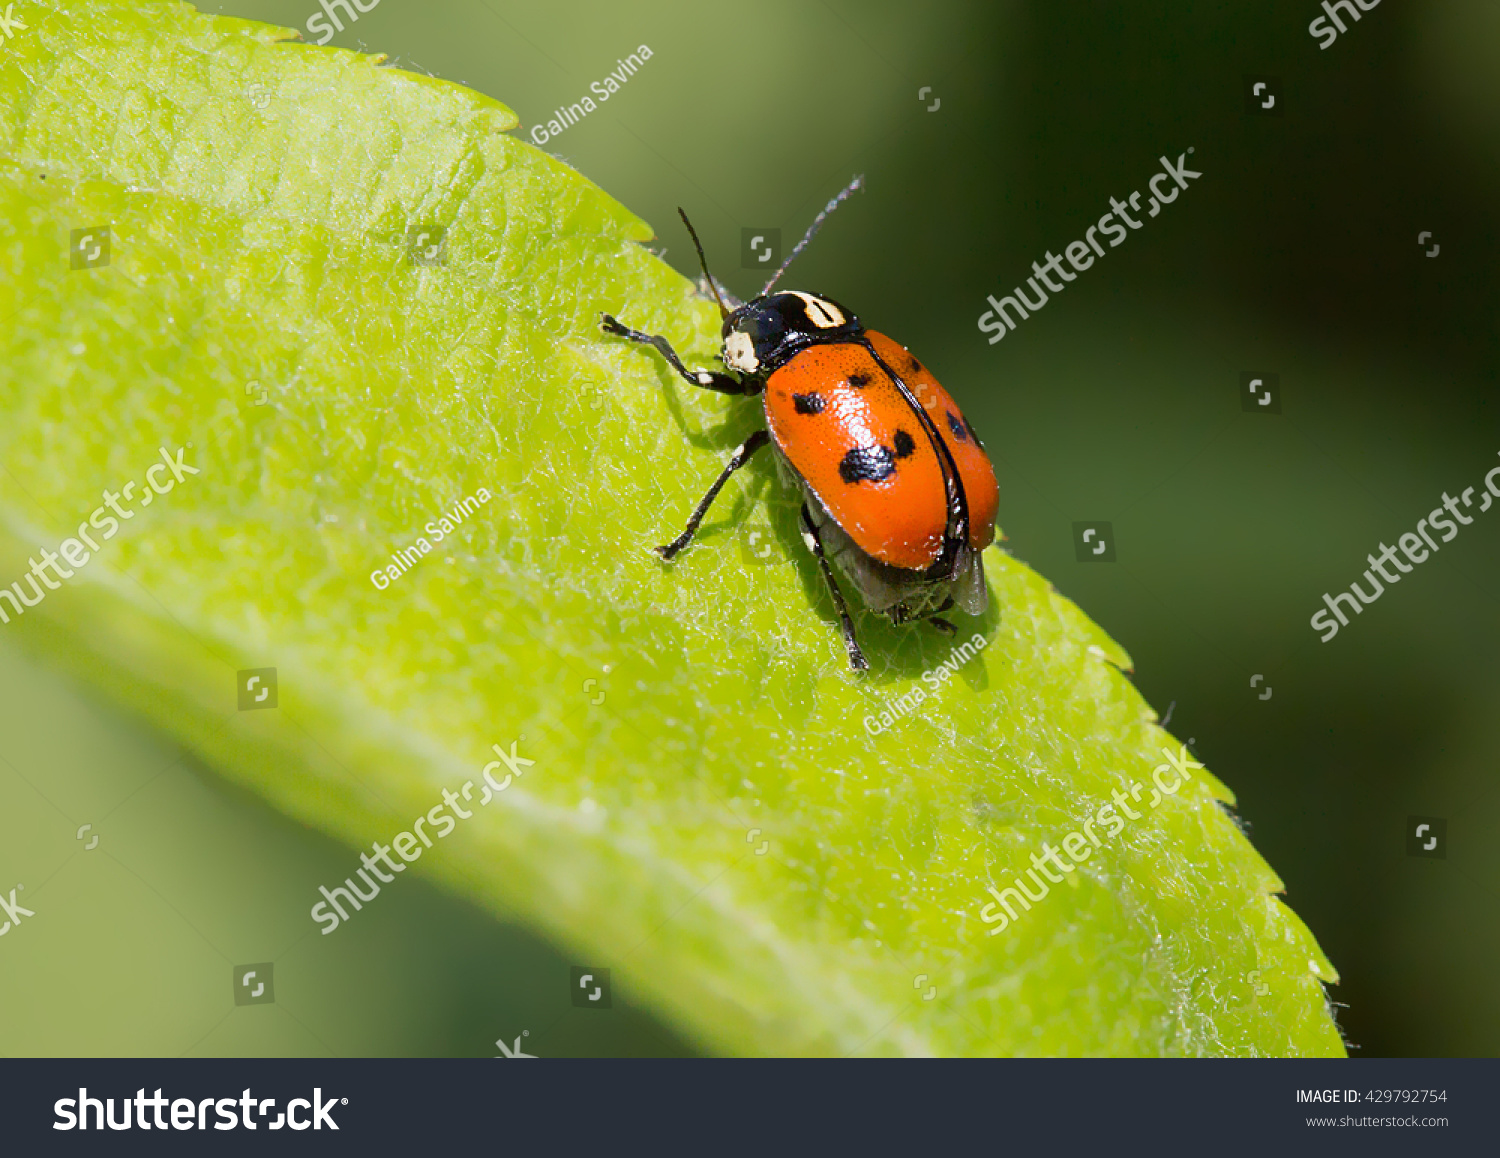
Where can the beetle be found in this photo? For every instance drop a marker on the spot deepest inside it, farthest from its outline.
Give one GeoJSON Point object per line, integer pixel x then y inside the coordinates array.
{"type": "Point", "coordinates": [897, 490]}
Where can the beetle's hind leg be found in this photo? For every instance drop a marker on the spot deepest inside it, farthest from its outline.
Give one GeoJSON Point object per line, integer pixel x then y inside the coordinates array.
{"type": "Point", "coordinates": [723, 383]}
{"type": "Point", "coordinates": [814, 543]}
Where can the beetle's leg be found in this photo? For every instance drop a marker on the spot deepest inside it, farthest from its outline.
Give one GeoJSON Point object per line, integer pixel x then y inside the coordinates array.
{"type": "Point", "coordinates": [736, 460]}
{"type": "Point", "coordinates": [723, 383]}
{"type": "Point", "coordinates": [942, 624]}
{"type": "Point", "coordinates": [814, 543]}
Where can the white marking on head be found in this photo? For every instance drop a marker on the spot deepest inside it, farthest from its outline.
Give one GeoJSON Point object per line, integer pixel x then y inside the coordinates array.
{"type": "Point", "coordinates": [705, 378]}
{"type": "Point", "coordinates": [822, 313]}
{"type": "Point", "coordinates": [739, 353]}
{"type": "Point", "coordinates": [812, 543]}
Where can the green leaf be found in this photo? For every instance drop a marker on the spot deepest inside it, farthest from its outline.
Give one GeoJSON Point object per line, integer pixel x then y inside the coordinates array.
{"type": "Point", "coordinates": [263, 199]}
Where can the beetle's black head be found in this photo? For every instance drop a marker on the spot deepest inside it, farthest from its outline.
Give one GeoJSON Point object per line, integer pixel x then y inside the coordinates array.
{"type": "Point", "coordinates": [764, 333]}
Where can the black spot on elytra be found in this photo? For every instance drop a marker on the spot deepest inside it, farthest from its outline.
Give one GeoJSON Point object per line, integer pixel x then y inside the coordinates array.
{"type": "Point", "coordinates": [867, 464]}
{"type": "Point", "coordinates": [808, 403]}
{"type": "Point", "coordinates": [859, 381]}
{"type": "Point", "coordinates": [911, 361]}
{"type": "Point", "coordinates": [904, 444]}
{"type": "Point", "coordinates": [956, 425]}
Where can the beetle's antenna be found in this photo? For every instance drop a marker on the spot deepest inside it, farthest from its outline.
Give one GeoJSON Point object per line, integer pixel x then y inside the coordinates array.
{"type": "Point", "coordinates": [703, 261]}
{"type": "Point", "coordinates": [857, 183]}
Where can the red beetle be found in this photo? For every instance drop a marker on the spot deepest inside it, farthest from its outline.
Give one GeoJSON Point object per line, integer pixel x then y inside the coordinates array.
{"type": "Point", "coordinates": [897, 488]}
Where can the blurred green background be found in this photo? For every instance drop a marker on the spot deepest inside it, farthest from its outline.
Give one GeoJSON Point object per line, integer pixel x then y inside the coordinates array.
{"type": "Point", "coordinates": [1296, 252]}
